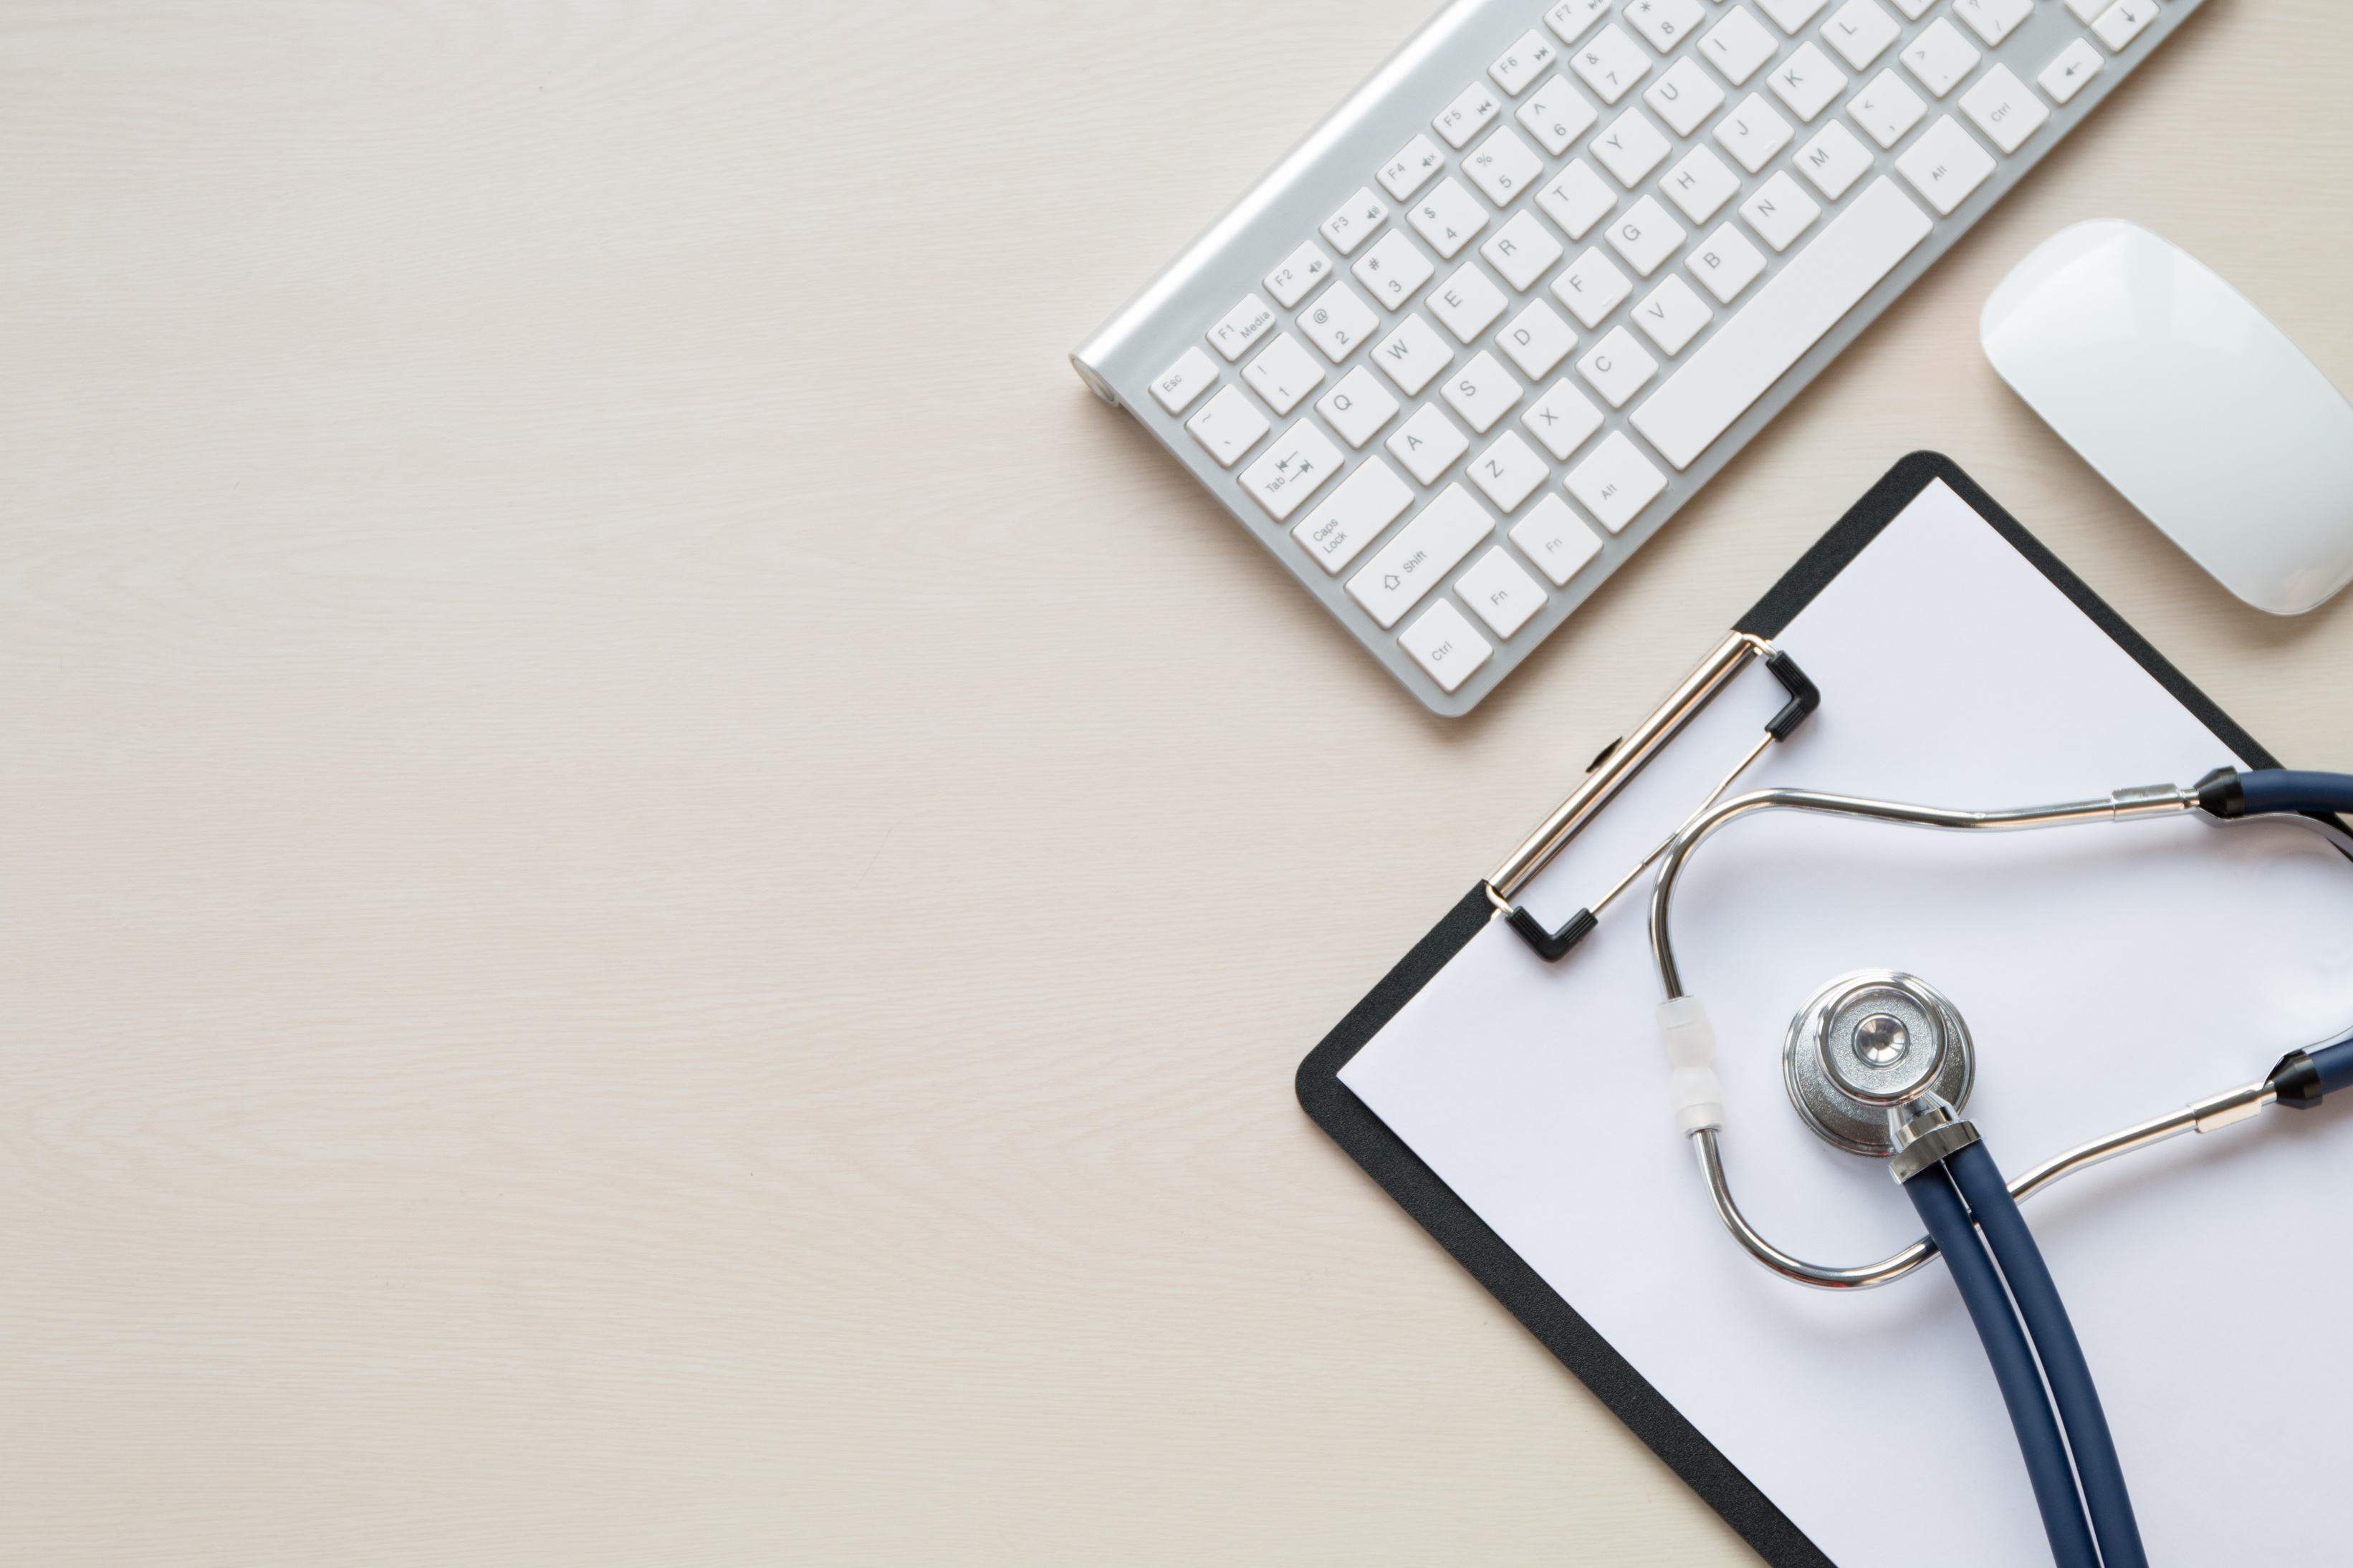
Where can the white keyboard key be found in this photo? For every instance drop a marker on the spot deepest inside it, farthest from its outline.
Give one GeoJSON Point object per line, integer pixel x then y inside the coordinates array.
{"type": "Point", "coordinates": [1806, 82]}
{"type": "Point", "coordinates": [1683, 96]}
{"type": "Point", "coordinates": [1523, 62]}
{"type": "Point", "coordinates": [1555, 539]}
{"type": "Point", "coordinates": [1563, 418]}
{"type": "Point", "coordinates": [1337, 532]}
{"type": "Point", "coordinates": [1502, 166]}
{"type": "Point", "coordinates": [1412, 167]}
{"type": "Point", "coordinates": [1738, 46]}
{"type": "Point", "coordinates": [1228, 425]}
{"type": "Point", "coordinates": [1302, 270]}
{"type": "Point", "coordinates": [1569, 18]}
{"type": "Point", "coordinates": [1993, 20]}
{"type": "Point", "coordinates": [1294, 468]}
{"type": "Point", "coordinates": [1834, 160]}
{"type": "Point", "coordinates": [2084, 11]}
{"type": "Point", "coordinates": [1945, 165]}
{"type": "Point", "coordinates": [1190, 376]}
{"type": "Point", "coordinates": [1468, 114]}
{"type": "Point", "coordinates": [1672, 315]}
{"type": "Point", "coordinates": [1630, 147]}
{"type": "Point", "coordinates": [1556, 115]}
{"type": "Point", "coordinates": [1665, 22]}
{"type": "Point", "coordinates": [1886, 109]}
{"type": "Point", "coordinates": [2121, 23]}
{"type": "Point", "coordinates": [1427, 443]}
{"type": "Point", "coordinates": [1443, 644]}
{"type": "Point", "coordinates": [1411, 354]}
{"type": "Point", "coordinates": [1725, 263]}
{"type": "Point", "coordinates": [1481, 392]}
{"type": "Point", "coordinates": [2063, 77]}
{"type": "Point", "coordinates": [1357, 407]}
{"type": "Point", "coordinates": [1499, 590]}
{"type": "Point", "coordinates": [1940, 57]}
{"type": "Point", "coordinates": [1787, 316]}
{"type": "Point", "coordinates": [1791, 13]}
{"type": "Point", "coordinates": [1610, 63]}
{"type": "Point", "coordinates": [1700, 184]}
{"type": "Point", "coordinates": [1523, 250]}
{"type": "Point", "coordinates": [1536, 340]}
{"type": "Point", "coordinates": [1860, 31]}
{"type": "Point", "coordinates": [1615, 483]}
{"type": "Point", "coordinates": [1507, 473]}
{"type": "Point", "coordinates": [1450, 217]}
{"type": "Point", "coordinates": [1244, 325]}
{"type": "Point", "coordinates": [2003, 107]}
{"type": "Point", "coordinates": [1337, 323]}
{"type": "Point", "coordinates": [1284, 375]}
{"type": "Point", "coordinates": [1392, 269]}
{"type": "Point", "coordinates": [1591, 288]}
{"type": "Point", "coordinates": [1753, 133]}
{"type": "Point", "coordinates": [1424, 551]}
{"type": "Point", "coordinates": [1645, 236]}
{"type": "Point", "coordinates": [1354, 224]}
{"type": "Point", "coordinates": [1914, 9]}
{"type": "Point", "coordinates": [1466, 302]}
{"type": "Point", "coordinates": [1577, 199]}
{"type": "Point", "coordinates": [1618, 367]}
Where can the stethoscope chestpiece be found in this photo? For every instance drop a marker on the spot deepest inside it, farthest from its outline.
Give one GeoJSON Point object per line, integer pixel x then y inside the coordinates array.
{"type": "Point", "coordinates": [1867, 1043]}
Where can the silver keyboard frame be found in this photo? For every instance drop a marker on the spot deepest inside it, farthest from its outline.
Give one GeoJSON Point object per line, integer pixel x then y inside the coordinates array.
{"type": "Point", "coordinates": [1232, 257]}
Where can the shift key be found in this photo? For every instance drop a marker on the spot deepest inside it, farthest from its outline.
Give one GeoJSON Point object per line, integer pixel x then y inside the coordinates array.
{"type": "Point", "coordinates": [1414, 563]}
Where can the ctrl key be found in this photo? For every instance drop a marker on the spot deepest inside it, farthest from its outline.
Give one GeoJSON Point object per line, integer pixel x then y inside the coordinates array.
{"type": "Point", "coordinates": [1443, 644]}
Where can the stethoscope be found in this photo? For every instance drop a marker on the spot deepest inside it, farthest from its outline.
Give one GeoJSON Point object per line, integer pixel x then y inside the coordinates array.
{"type": "Point", "coordinates": [1878, 1063]}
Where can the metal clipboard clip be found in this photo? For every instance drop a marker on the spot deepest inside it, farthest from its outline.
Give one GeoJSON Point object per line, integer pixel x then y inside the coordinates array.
{"type": "Point", "coordinates": [1616, 767]}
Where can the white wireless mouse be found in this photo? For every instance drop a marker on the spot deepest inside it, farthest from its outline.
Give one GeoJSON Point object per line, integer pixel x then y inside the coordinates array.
{"type": "Point", "coordinates": [2186, 399]}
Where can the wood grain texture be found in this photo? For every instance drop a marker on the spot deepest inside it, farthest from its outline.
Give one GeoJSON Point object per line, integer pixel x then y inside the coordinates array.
{"type": "Point", "coordinates": [661, 891]}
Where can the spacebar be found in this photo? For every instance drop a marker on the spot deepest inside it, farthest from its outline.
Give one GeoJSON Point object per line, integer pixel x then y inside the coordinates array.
{"type": "Point", "coordinates": [1789, 316]}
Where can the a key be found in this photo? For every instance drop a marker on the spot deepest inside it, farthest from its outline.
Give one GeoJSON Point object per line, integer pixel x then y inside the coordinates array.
{"type": "Point", "coordinates": [1615, 483]}
{"type": "Point", "coordinates": [2065, 77]}
{"type": "Point", "coordinates": [1738, 46]}
{"type": "Point", "coordinates": [2121, 23]}
{"type": "Point", "coordinates": [1556, 115]}
{"type": "Point", "coordinates": [1192, 374]}
{"type": "Point", "coordinates": [1291, 469]}
{"type": "Point", "coordinates": [1411, 354]}
{"type": "Point", "coordinates": [1577, 199]}
{"type": "Point", "coordinates": [1357, 407]}
{"type": "Point", "coordinates": [1283, 375]}
{"type": "Point", "coordinates": [1700, 184]}
{"type": "Point", "coordinates": [1672, 315]}
{"type": "Point", "coordinates": [1424, 551]}
{"type": "Point", "coordinates": [1227, 426]}
{"type": "Point", "coordinates": [1886, 109]}
{"type": "Point", "coordinates": [1302, 270]}
{"type": "Point", "coordinates": [1945, 164]}
{"type": "Point", "coordinates": [1507, 472]}
{"type": "Point", "coordinates": [1481, 392]}
{"type": "Point", "coordinates": [1683, 96]}
{"type": "Point", "coordinates": [1786, 317]}
{"type": "Point", "coordinates": [1450, 217]}
{"type": "Point", "coordinates": [1536, 340]}
{"type": "Point", "coordinates": [2084, 11]}
{"type": "Point", "coordinates": [1752, 133]}
{"type": "Point", "coordinates": [1860, 31]}
{"type": "Point", "coordinates": [1354, 224]}
{"type": "Point", "coordinates": [1834, 160]}
{"type": "Point", "coordinates": [1499, 590]}
{"type": "Point", "coordinates": [1412, 167]}
{"type": "Point", "coordinates": [1569, 18]}
{"type": "Point", "coordinates": [1791, 15]}
{"type": "Point", "coordinates": [1665, 22]}
{"type": "Point", "coordinates": [1725, 263]}
{"type": "Point", "coordinates": [1242, 326]}
{"type": "Point", "coordinates": [1591, 288]}
{"type": "Point", "coordinates": [1778, 211]}
{"type": "Point", "coordinates": [1427, 444]}
{"type": "Point", "coordinates": [1610, 63]}
{"type": "Point", "coordinates": [1466, 302]}
{"type": "Point", "coordinates": [1645, 236]}
{"type": "Point", "coordinates": [1337, 322]}
{"type": "Point", "coordinates": [1555, 539]}
{"type": "Point", "coordinates": [1392, 269]}
{"type": "Point", "coordinates": [1630, 147]}
{"type": "Point", "coordinates": [1806, 82]}
{"type": "Point", "coordinates": [1339, 527]}
{"type": "Point", "coordinates": [1914, 9]}
{"type": "Point", "coordinates": [1940, 57]}
{"type": "Point", "coordinates": [1523, 250]}
{"type": "Point", "coordinates": [1523, 62]}
{"type": "Point", "coordinates": [1993, 20]}
{"type": "Point", "coordinates": [1467, 115]}
{"type": "Point", "coordinates": [1501, 167]}
{"type": "Point", "coordinates": [1618, 367]}
{"type": "Point", "coordinates": [1443, 644]}
{"type": "Point", "coordinates": [1562, 419]}
{"type": "Point", "coordinates": [2001, 106]}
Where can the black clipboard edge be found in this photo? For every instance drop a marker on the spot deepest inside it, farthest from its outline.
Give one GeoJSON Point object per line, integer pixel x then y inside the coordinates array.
{"type": "Point", "coordinates": [1507, 1276]}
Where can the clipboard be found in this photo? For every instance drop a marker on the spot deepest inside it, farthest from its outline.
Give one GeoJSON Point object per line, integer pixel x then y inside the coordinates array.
{"type": "Point", "coordinates": [1392, 1160]}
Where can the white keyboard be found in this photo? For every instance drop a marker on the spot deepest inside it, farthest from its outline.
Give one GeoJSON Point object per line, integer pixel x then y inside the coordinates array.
{"type": "Point", "coordinates": [1514, 301]}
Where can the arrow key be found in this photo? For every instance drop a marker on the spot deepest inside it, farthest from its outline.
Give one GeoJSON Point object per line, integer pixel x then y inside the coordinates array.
{"type": "Point", "coordinates": [2063, 77]}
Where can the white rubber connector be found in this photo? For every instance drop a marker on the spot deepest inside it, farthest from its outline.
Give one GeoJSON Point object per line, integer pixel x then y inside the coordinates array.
{"type": "Point", "coordinates": [1693, 1088]}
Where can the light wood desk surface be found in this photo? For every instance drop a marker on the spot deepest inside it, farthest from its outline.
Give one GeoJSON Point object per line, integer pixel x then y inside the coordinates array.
{"type": "Point", "coordinates": [661, 892]}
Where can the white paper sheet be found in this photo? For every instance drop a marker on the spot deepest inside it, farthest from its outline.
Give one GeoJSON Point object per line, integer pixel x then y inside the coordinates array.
{"type": "Point", "coordinates": [2107, 973]}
